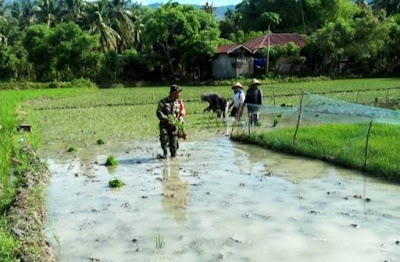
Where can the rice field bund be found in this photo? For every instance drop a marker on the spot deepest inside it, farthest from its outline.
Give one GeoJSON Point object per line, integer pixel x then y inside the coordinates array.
{"type": "Point", "coordinates": [110, 198]}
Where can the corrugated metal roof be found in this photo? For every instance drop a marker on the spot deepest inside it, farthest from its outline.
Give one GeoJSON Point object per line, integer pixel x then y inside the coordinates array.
{"type": "Point", "coordinates": [226, 49]}
{"type": "Point", "coordinates": [222, 49]}
{"type": "Point", "coordinates": [262, 41]}
{"type": "Point", "coordinates": [275, 39]}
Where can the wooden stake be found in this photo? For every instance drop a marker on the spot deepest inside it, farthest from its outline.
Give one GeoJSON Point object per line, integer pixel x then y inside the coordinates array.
{"type": "Point", "coordinates": [366, 145]}
{"type": "Point", "coordinates": [273, 97]}
{"type": "Point", "coordinates": [298, 120]}
{"type": "Point", "coordinates": [387, 94]}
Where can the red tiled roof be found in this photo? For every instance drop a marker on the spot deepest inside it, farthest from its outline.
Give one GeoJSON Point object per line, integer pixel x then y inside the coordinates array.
{"type": "Point", "coordinates": [275, 39]}
{"type": "Point", "coordinates": [226, 49]}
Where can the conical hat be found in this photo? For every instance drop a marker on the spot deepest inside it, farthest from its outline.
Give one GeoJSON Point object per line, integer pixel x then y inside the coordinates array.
{"type": "Point", "coordinates": [255, 82]}
{"type": "Point", "coordinates": [237, 84]}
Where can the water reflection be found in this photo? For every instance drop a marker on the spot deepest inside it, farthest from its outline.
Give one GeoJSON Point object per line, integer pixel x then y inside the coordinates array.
{"type": "Point", "coordinates": [175, 191]}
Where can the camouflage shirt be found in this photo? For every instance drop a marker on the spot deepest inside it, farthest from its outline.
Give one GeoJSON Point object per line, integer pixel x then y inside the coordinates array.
{"type": "Point", "coordinates": [167, 107]}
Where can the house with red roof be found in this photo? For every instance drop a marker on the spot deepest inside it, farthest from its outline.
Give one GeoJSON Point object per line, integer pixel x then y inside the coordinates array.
{"type": "Point", "coordinates": [231, 61]}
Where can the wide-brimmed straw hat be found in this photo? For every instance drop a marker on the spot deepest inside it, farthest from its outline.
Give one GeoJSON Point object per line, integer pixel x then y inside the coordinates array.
{"type": "Point", "coordinates": [237, 84]}
{"type": "Point", "coordinates": [255, 82]}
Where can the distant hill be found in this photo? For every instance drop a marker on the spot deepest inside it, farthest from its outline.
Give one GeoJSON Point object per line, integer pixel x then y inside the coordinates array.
{"type": "Point", "coordinates": [219, 12]}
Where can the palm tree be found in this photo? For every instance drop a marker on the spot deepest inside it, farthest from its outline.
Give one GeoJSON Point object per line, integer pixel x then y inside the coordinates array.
{"type": "Point", "coordinates": [209, 8]}
{"type": "Point", "coordinates": [2, 17]}
{"type": "Point", "coordinates": [270, 18]}
{"type": "Point", "coordinates": [97, 21]}
{"type": "Point", "coordinates": [138, 26]}
{"type": "Point", "coordinates": [72, 10]}
{"type": "Point", "coordinates": [28, 15]}
{"type": "Point", "coordinates": [46, 11]}
{"type": "Point", "coordinates": [391, 6]}
{"type": "Point", "coordinates": [23, 11]}
{"type": "Point", "coordinates": [361, 3]}
{"type": "Point", "coordinates": [121, 18]}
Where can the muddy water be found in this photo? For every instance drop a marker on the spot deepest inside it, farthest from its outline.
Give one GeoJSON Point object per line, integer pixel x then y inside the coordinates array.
{"type": "Point", "coordinates": [217, 201]}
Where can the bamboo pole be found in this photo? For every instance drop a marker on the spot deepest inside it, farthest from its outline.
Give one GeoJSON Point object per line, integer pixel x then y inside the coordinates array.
{"type": "Point", "coordinates": [298, 120]}
{"type": "Point", "coordinates": [366, 145]}
{"type": "Point", "coordinates": [273, 97]}
{"type": "Point", "coordinates": [249, 120]}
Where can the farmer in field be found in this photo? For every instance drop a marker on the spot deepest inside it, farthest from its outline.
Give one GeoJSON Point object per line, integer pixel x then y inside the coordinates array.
{"type": "Point", "coordinates": [238, 98]}
{"type": "Point", "coordinates": [171, 111]}
{"type": "Point", "coordinates": [254, 99]}
{"type": "Point", "coordinates": [216, 102]}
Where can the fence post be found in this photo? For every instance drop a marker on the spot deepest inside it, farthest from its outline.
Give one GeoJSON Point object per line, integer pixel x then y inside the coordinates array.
{"type": "Point", "coordinates": [249, 119]}
{"type": "Point", "coordinates": [366, 145]}
{"type": "Point", "coordinates": [273, 97]}
{"type": "Point", "coordinates": [298, 120]}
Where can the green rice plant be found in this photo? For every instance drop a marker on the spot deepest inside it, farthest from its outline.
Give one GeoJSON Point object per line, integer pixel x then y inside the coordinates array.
{"type": "Point", "coordinates": [72, 149]}
{"type": "Point", "coordinates": [159, 241]}
{"type": "Point", "coordinates": [343, 144]}
{"type": "Point", "coordinates": [116, 183]}
{"type": "Point", "coordinates": [111, 161]}
{"type": "Point", "coordinates": [8, 244]}
{"type": "Point", "coordinates": [276, 122]}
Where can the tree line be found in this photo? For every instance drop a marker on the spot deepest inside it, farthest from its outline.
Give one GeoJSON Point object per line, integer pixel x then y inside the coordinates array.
{"type": "Point", "coordinates": [111, 41]}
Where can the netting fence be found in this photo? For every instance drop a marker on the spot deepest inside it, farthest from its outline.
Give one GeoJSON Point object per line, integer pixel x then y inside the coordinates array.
{"type": "Point", "coordinates": [351, 134]}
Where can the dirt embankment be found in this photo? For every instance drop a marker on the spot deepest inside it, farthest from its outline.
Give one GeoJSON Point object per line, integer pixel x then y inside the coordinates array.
{"type": "Point", "coordinates": [27, 215]}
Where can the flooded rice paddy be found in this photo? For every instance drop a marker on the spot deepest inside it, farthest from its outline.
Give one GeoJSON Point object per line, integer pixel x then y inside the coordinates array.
{"type": "Point", "coordinates": [217, 201]}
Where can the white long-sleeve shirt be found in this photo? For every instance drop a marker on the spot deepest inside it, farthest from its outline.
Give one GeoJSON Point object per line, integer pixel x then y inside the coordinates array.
{"type": "Point", "coordinates": [238, 98]}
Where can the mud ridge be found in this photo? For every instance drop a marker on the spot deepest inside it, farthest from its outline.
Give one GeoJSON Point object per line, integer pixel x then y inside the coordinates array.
{"type": "Point", "coordinates": [26, 216]}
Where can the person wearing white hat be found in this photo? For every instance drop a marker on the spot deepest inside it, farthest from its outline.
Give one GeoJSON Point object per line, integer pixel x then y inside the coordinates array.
{"type": "Point", "coordinates": [254, 99]}
{"type": "Point", "coordinates": [238, 100]}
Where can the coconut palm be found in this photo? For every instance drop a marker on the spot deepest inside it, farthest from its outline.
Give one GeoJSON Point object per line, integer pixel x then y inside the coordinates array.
{"type": "Point", "coordinates": [121, 18]}
{"type": "Point", "coordinates": [2, 16]}
{"type": "Point", "coordinates": [23, 11]}
{"type": "Point", "coordinates": [391, 6]}
{"type": "Point", "coordinates": [46, 11]}
{"type": "Point", "coordinates": [72, 10]}
{"type": "Point", "coordinates": [97, 22]}
{"type": "Point", "coordinates": [209, 8]}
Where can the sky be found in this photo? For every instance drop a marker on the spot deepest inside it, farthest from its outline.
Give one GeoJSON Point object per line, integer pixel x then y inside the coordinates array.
{"type": "Point", "coordinates": [195, 2]}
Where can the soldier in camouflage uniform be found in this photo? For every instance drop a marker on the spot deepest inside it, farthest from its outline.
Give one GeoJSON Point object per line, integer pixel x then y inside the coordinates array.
{"type": "Point", "coordinates": [169, 108]}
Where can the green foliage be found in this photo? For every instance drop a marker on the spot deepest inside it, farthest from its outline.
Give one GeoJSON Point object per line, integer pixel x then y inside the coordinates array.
{"type": "Point", "coordinates": [116, 183]}
{"type": "Point", "coordinates": [73, 52]}
{"type": "Point", "coordinates": [111, 161]}
{"type": "Point", "coordinates": [181, 37]}
{"type": "Point", "coordinates": [100, 142]}
{"type": "Point", "coordinates": [8, 244]}
{"type": "Point", "coordinates": [290, 52]}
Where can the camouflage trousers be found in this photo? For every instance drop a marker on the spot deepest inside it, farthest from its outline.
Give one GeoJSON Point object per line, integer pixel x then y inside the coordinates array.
{"type": "Point", "coordinates": [169, 138]}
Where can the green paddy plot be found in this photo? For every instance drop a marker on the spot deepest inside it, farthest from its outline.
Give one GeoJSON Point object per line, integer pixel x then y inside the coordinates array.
{"type": "Point", "coordinates": [85, 115]}
{"type": "Point", "coordinates": [344, 144]}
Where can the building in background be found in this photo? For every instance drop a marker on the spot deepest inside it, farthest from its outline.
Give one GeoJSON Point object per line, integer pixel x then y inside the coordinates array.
{"type": "Point", "coordinates": [231, 61]}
